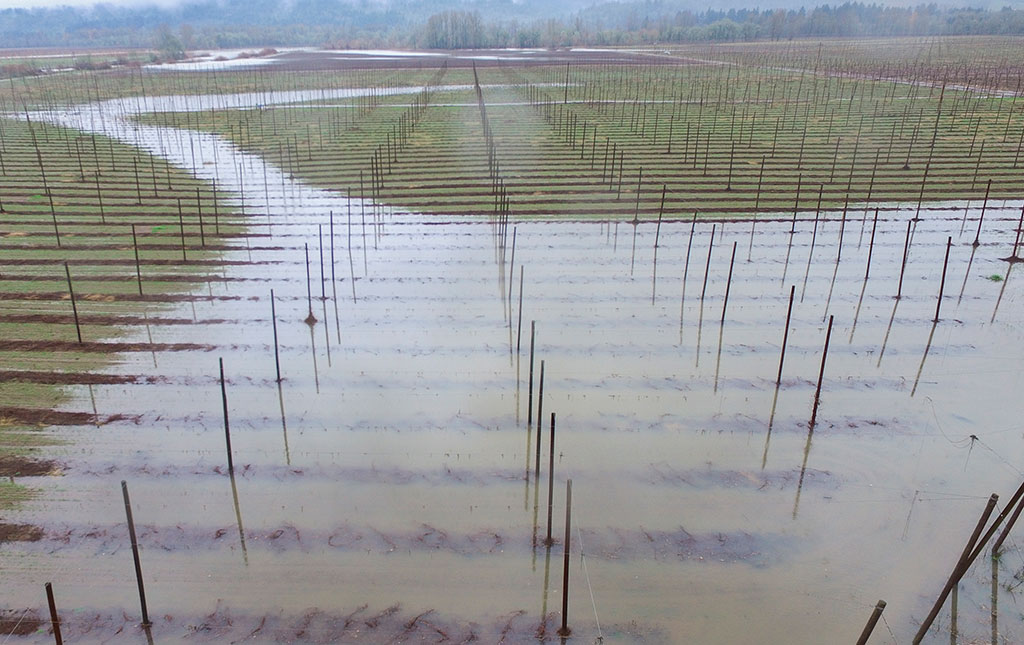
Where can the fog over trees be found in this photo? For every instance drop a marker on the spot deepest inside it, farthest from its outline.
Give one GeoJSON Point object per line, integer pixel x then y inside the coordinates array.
{"type": "Point", "coordinates": [481, 23]}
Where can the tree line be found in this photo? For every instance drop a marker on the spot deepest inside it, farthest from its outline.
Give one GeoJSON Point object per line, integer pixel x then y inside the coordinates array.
{"type": "Point", "coordinates": [481, 23]}
{"type": "Point", "coordinates": [652, 22]}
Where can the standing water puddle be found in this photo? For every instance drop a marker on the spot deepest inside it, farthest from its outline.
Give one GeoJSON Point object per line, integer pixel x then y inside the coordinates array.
{"type": "Point", "coordinates": [387, 488]}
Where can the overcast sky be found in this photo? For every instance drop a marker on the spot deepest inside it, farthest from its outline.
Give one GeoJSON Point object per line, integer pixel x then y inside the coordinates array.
{"type": "Point", "coordinates": [10, 4]}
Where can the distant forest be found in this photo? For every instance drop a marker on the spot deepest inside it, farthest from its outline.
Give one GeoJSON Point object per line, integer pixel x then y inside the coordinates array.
{"type": "Point", "coordinates": [480, 23]}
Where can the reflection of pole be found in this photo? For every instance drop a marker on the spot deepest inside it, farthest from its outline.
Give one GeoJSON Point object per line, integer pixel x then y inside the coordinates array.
{"type": "Point", "coordinates": [238, 517]}
{"type": "Point", "coordinates": [872, 621]}
{"type": "Point", "coordinates": [135, 552]}
{"type": "Point", "coordinates": [958, 571]}
{"type": "Point", "coordinates": [995, 598]}
{"type": "Point", "coordinates": [227, 427]}
{"type": "Point", "coordinates": [273, 319]}
{"type": "Point", "coordinates": [954, 614]}
{"type": "Point", "coordinates": [565, 631]}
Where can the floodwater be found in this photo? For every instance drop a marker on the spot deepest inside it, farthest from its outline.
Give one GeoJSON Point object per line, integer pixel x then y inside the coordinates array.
{"type": "Point", "coordinates": [386, 489]}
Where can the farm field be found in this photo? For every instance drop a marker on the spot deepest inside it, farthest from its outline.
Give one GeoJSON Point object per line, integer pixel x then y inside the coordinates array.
{"type": "Point", "coordinates": [389, 356]}
{"type": "Point", "coordinates": [673, 133]}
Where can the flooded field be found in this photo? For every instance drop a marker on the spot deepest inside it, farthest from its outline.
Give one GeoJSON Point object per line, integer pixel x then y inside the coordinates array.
{"type": "Point", "coordinates": [391, 486]}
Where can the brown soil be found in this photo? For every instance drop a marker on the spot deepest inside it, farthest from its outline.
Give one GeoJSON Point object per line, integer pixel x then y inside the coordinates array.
{"type": "Point", "coordinates": [103, 348]}
{"type": "Point", "coordinates": [18, 623]}
{"type": "Point", "coordinates": [98, 320]}
{"type": "Point", "coordinates": [35, 416]}
{"type": "Point", "coordinates": [75, 378]}
{"type": "Point", "coordinates": [122, 297]}
{"type": "Point", "coordinates": [19, 533]}
{"type": "Point", "coordinates": [15, 466]}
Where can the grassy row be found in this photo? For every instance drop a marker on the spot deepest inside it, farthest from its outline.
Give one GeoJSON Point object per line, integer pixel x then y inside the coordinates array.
{"type": "Point", "coordinates": [718, 139]}
{"type": "Point", "coordinates": [98, 247]}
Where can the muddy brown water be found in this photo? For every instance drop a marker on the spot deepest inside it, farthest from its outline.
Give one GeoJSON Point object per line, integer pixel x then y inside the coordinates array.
{"type": "Point", "coordinates": [391, 475]}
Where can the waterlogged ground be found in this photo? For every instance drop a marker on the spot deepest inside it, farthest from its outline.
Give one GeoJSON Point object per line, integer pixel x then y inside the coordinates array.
{"type": "Point", "coordinates": [386, 489]}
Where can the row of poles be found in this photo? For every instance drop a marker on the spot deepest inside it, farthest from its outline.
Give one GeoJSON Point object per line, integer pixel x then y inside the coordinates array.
{"type": "Point", "coordinates": [975, 545]}
{"type": "Point", "coordinates": [971, 552]}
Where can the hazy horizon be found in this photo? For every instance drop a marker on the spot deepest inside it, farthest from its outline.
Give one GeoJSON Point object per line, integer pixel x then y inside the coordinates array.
{"type": "Point", "coordinates": [690, 4]}
{"type": "Point", "coordinates": [50, 4]}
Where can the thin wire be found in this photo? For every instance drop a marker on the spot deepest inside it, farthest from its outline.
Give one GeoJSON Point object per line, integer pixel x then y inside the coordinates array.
{"type": "Point", "coordinates": [998, 456]}
{"type": "Point", "coordinates": [586, 573]}
{"type": "Point", "coordinates": [53, 576]}
{"type": "Point", "coordinates": [890, 629]}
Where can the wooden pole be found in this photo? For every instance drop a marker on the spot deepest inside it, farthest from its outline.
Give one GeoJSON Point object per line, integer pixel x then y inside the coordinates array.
{"type": "Point", "coordinates": [565, 631]}
{"type": "Point", "coordinates": [512, 264]}
{"type": "Point", "coordinates": [540, 411]}
{"type": "Point", "coordinates": [707, 267]}
{"type": "Point", "coordinates": [138, 270]}
{"type": "Point", "coordinates": [995, 525]}
{"type": "Point", "coordinates": [74, 307]}
{"type": "Point", "coordinates": [135, 553]}
{"type": "Point", "coordinates": [519, 324]}
{"type": "Point", "coordinates": [323, 288]}
{"type": "Point", "coordinates": [876, 613]}
{"type": "Point", "coordinates": [984, 206]}
{"type": "Point", "coordinates": [942, 282]}
{"type": "Point", "coordinates": [529, 403]}
{"type": "Point", "coordinates": [138, 188]}
{"type": "Point", "coordinates": [871, 245]}
{"type": "Point", "coordinates": [958, 570]}
{"type": "Point", "coordinates": [199, 214]}
{"type": "Point", "coordinates": [1020, 228]}
{"type": "Point", "coordinates": [551, 478]}
{"type": "Point", "coordinates": [785, 333]}
{"type": "Point", "coordinates": [821, 373]}
{"type": "Point", "coordinates": [997, 545]}
{"type": "Point", "coordinates": [54, 620]}
{"type": "Point", "coordinates": [903, 266]}
{"type": "Point", "coordinates": [728, 283]}
{"type": "Point", "coordinates": [181, 227]}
